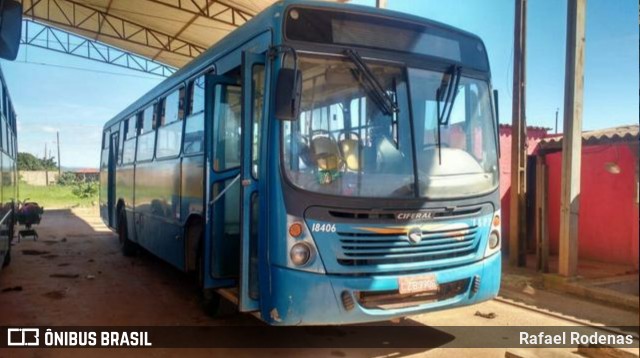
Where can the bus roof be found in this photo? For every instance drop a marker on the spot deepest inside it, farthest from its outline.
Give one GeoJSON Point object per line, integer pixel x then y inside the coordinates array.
{"type": "Point", "coordinates": [264, 21]}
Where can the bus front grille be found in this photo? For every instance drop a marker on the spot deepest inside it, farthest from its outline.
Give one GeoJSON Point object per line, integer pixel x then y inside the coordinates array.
{"type": "Point", "coordinates": [378, 249]}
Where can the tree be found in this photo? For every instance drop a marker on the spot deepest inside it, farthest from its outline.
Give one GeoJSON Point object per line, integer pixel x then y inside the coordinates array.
{"type": "Point", "coordinates": [28, 161]}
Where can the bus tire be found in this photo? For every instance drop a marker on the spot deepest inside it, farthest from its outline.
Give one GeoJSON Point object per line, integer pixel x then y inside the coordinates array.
{"type": "Point", "coordinates": [128, 247]}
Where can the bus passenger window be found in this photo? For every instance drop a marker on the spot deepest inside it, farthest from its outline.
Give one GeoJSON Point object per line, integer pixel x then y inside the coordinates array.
{"type": "Point", "coordinates": [130, 127]}
{"type": "Point", "coordinates": [145, 146]}
{"type": "Point", "coordinates": [173, 107]}
{"type": "Point", "coordinates": [196, 91]}
{"type": "Point", "coordinates": [147, 122]}
{"type": "Point", "coordinates": [194, 124]}
{"type": "Point", "coordinates": [4, 135]}
{"type": "Point", "coordinates": [169, 140]}
{"type": "Point", "coordinates": [105, 148]}
{"type": "Point", "coordinates": [129, 151]}
{"type": "Point", "coordinates": [105, 139]}
{"type": "Point", "coordinates": [10, 146]}
{"type": "Point", "coordinates": [121, 139]}
{"type": "Point", "coordinates": [228, 119]}
{"type": "Point", "coordinates": [194, 134]}
{"type": "Point", "coordinates": [146, 138]}
{"type": "Point", "coordinates": [170, 132]}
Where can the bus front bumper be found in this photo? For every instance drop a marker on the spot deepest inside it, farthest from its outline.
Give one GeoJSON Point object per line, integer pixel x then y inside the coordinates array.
{"type": "Point", "coordinates": [305, 298]}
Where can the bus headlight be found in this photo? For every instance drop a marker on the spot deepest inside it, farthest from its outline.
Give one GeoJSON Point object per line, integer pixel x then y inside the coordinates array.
{"type": "Point", "coordinates": [493, 243]}
{"type": "Point", "coordinates": [494, 240]}
{"type": "Point", "coordinates": [300, 254]}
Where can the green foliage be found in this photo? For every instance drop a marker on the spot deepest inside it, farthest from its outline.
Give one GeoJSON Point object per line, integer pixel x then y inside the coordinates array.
{"type": "Point", "coordinates": [28, 161]}
{"type": "Point", "coordinates": [67, 179]}
{"type": "Point", "coordinates": [55, 196]}
{"type": "Point", "coordinates": [85, 190]}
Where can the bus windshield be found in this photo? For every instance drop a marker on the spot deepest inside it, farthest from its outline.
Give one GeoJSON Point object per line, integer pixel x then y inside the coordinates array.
{"type": "Point", "coordinates": [346, 144]}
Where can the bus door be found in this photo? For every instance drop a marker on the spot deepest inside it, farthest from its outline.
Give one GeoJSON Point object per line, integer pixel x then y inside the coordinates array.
{"type": "Point", "coordinates": [223, 123]}
{"type": "Point", "coordinates": [252, 231]}
{"type": "Point", "coordinates": [111, 176]}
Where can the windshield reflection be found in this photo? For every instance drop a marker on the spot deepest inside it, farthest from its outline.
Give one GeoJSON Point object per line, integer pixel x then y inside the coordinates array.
{"type": "Point", "coordinates": [343, 143]}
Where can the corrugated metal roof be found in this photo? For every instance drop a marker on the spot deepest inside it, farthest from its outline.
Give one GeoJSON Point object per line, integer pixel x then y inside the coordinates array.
{"type": "Point", "coordinates": [627, 133]}
{"type": "Point", "coordinates": [169, 31]}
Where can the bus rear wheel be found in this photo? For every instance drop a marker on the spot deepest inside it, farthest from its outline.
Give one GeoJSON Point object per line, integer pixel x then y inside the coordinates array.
{"type": "Point", "coordinates": [128, 247]}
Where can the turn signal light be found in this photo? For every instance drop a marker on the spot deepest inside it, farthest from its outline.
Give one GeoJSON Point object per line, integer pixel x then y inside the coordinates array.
{"type": "Point", "coordinates": [295, 230]}
{"type": "Point", "coordinates": [496, 220]}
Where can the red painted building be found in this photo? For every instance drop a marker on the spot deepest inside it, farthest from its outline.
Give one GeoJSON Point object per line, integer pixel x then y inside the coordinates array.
{"type": "Point", "coordinates": [609, 217]}
{"type": "Point", "coordinates": [534, 136]}
{"type": "Point", "coordinates": [608, 223]}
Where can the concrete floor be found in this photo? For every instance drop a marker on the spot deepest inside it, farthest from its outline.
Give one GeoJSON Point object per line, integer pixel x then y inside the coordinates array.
{"type": "Point", "coordinates": [95, 285]}
{"type": "Point", "coordinates": [609, 283]}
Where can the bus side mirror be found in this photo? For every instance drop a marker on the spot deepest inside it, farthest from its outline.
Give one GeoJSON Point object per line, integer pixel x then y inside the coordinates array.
{"type": "Point", "coordinates": [10, 28]}
{"type": "Point", "coordinates": [288, 94]}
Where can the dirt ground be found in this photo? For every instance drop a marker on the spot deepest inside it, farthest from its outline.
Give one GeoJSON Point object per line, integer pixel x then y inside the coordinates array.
{"type": "Point", "coordinates": [75, 275]}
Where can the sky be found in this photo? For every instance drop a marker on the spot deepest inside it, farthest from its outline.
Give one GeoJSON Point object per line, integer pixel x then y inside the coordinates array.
{"type": "Point", "coordinates": [55, 92]}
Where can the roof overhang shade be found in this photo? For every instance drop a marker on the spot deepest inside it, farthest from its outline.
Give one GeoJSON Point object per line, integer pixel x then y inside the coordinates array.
{"type": "Point", "coordinates": [168, 31]}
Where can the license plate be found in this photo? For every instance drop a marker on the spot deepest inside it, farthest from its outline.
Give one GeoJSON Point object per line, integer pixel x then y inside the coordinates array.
{"type": "Point", "coordinates": [417, 284]}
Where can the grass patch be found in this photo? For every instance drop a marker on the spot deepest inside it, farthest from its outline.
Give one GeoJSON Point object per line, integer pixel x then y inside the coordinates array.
{"type": "Point", "coordinates": [54, 196]}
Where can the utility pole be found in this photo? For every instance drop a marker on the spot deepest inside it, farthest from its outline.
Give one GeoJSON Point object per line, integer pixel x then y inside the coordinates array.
{"type": "Point", "coordinates": [60, 165]}
{"type": "Point", "coordinates": [557, 109]}
{"type": "Point", "coordinates": [517, 213]}
{"type": "Point", "coordinates": [572, 141]}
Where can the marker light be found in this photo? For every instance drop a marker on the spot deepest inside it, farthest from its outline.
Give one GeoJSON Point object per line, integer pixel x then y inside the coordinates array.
{"type": "Point", "coordinates": [300, 254]}
{"type": "Point", "coordinates": [295, 230]}
{"type": "Point", "coordinates": [496, 220]}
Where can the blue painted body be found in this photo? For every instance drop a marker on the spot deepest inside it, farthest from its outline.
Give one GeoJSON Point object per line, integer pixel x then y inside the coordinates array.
{"type": "Point", "coordinates": [303, 298]}
{"type": "Point", "coordinates": [8, 171]}
{"type": "Point", "coordinates": [163, 198]}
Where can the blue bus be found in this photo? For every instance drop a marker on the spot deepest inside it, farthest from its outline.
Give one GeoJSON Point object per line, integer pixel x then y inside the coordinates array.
{"type": "Point", "coordinates": [9, 170]}
{"type": "Point", "coordinates": [322, 164]}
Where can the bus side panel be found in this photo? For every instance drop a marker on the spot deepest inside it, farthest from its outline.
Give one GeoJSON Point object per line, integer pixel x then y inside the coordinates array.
{"type": "Point", "coordinates": [124, 192]}
{"type": "Point", "coordinates": [7, 197]}
{"type": "Point", "coordinates": [104, 186]}
{"type": "Point", "coordinates": [4, 207]}
{"type": "Point", "coordinates": [124, 189]}
{"type": "Point", "coordinates": [192, 186]}
{"type": "Point", "coordinates": [157, 205]}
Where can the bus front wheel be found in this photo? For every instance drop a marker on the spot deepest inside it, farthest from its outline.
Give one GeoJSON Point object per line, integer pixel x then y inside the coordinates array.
{"type": "Point", "coordinates": [128, 247]}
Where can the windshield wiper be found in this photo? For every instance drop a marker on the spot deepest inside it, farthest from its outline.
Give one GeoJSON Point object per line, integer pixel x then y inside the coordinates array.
{"type": "Point", "coordinates": [381, 98]}
{"type": "Point", "coordinates": [449, 90]}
